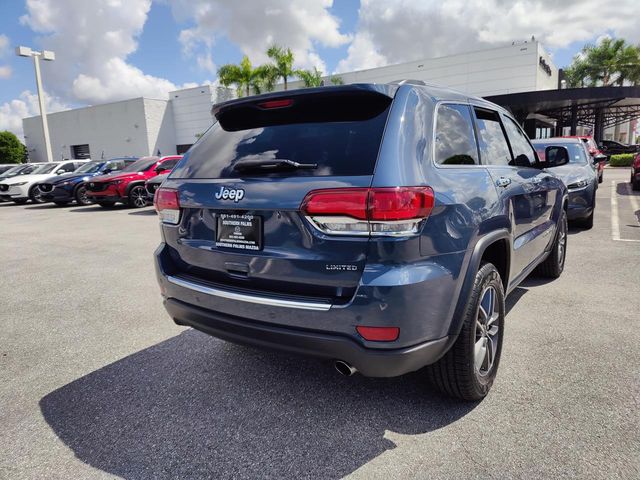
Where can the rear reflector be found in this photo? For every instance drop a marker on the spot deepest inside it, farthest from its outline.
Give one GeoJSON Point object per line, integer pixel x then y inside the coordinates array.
{"type": "Point", "coordinates": [276, 103]}
{"type": "Point", "coordinates": [379, 334]}
{"type": "Point", "coordinates": [363, 211]}
{"type": "Point", "coordinates": [167, 205]}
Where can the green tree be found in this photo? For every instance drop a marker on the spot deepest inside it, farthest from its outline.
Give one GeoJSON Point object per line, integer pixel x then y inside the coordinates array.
{"type": "Point", "coordinates": [282, 66]}
{"type": "Point", "coordinates": [336, 80]}
{"type": "Point", "coordinates": [11, 149]}
{"type": "Point", "coordinates": [611, 62]}
{"type": "Point", "coordinates": [245, 77]}
{"type": "Point", "coordinates": [310, 78]}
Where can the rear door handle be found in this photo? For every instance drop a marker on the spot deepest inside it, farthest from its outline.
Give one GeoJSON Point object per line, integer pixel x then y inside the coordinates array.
{"type": "Point", "coordinates": [503, 181]}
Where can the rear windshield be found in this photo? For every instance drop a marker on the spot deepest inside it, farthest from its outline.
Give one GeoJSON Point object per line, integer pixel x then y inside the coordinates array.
{"type": "Point", "coordinates": [340, 136]}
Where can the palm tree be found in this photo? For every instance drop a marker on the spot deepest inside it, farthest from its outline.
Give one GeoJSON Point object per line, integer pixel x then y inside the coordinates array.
{"type": "Point", "coordinates": [611, 62]}
{"type": "Point", "coordinates": [245, 77]}
{"type": "Point", "coordinates": [283, 63]}
{"type": "Point", "coordinates": [336, 80]}
{"type": "Point", "coordinates": [310, 78]}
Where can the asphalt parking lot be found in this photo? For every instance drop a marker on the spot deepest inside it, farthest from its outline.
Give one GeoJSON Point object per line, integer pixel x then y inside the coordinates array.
{"type": "Point", "coordinates": [97, 382]}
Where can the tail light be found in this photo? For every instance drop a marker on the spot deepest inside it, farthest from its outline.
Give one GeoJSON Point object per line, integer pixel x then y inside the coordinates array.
{"type": "Point", "coordinates": [167, 205]}
{"type": "Point", "coordinates": [369, 211]}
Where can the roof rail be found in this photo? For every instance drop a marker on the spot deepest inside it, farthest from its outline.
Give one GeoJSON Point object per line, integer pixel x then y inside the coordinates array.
{"type": "Point", "coordinates": [408, 82]}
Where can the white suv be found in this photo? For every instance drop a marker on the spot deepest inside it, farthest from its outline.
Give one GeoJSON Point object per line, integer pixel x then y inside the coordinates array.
{"type": "Point", "coordinates": [21, 188]}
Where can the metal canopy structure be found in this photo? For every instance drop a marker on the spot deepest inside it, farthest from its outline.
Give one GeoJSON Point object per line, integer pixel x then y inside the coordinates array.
{"type": "Point", "coordinates": [599, 107]}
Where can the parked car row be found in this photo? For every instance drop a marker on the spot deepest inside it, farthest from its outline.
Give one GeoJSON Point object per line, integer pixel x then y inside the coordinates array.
{"type": "Point", "coordinates": [105, 182]}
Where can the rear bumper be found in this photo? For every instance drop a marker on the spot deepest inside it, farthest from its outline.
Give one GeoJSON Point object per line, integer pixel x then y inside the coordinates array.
{"type": "Point", "coordinates": [369, 362]}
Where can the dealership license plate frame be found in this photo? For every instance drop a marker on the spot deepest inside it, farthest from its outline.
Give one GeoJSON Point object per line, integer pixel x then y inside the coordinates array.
{"type": "Point", "coordinates": [240, 232]}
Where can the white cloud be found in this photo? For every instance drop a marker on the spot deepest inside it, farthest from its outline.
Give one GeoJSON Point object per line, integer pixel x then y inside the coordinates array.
{"type": "Point", "coordinates": [301, 25]}
{"type": "Point", "coordinates": [92, 41]}
{"type": "Point", "coordinates": [12, 113]}
{"type": "Point", "coordinates": [393, 32]}
{"type": "Point", "coordinates": [5, 70]}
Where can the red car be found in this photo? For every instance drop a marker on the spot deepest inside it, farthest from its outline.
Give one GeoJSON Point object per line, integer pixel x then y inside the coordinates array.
{"type": "Point", "coordinates": [635, 173]}
{"type": "Point", "coordinates": [127, 185]}
{"type": "Point", "coordinates": [594, 151]}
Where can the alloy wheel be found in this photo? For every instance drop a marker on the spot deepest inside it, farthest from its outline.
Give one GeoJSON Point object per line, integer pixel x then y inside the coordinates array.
{"type": "Point", "coordinates": [36, 195]}
{"type": "Point", "coordinates": [81, 196]}
{"type": "Point", "coordinates": [562, 245]}
{"type": "Point", "coordinates": [487, 332]}
{"type": "Point", "coordinates": [138, 197]}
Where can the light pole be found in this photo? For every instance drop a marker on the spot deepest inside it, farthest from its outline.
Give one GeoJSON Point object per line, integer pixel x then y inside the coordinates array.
{"type": "Point", "coordinates": [48, 56]}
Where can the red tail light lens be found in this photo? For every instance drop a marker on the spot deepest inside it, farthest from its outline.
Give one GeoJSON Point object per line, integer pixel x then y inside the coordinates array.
{"type": "Point", "coordinates": [379, 334]}
{"type": "Point", "coordinates": [400, 203]}
{"type": "Point", "coordinates": [364, 211]}
{"type": "Point", "coordinates": [167, 205]}
{"type": "Point", "coordinates": [351, 202]}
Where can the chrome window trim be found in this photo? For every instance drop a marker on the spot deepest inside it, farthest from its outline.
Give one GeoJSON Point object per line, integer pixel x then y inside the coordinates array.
{"type": "Point", "coordinates": [242, 297]}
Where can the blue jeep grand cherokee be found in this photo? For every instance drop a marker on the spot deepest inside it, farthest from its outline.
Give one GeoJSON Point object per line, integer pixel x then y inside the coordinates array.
{"type": "Point", "coordinates": [379, 226]}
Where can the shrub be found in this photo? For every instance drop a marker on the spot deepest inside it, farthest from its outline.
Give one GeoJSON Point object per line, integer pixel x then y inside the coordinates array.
{"type": "Point", "coordinates": [622, 160]}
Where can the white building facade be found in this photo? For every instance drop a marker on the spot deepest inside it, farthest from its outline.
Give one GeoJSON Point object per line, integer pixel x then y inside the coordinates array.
{"type": "Point", "coordinates": [136, 127]}
{"type": "Point", "coordinates": [520, 67]}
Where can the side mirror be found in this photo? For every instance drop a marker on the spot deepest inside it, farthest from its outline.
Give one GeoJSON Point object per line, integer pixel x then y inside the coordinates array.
{"type": "Point", "coordinates": [556, 156]}
{"type": "Point", "coordinates": [161, 169]}
{"type": "Point", "coordinates": [106, 171]}
{"type": "Point", "coordinates": [60, 172]}
{"type": "Point", "coordinates": [599, 158]}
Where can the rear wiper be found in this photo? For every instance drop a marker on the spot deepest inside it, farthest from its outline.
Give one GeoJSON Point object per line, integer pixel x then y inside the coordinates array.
{"type": "Point", "coordinates": [272, 165]}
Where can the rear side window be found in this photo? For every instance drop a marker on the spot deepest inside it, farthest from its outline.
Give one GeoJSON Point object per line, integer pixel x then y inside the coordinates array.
{"type": "Point", "coordinates": [494, 149]}
{"type": "Point", "coordinates": [523, 153]}
{"type": "Point", "coordinates": [455, 140]}
{"type": "Point", "coordinates": [340, 134]}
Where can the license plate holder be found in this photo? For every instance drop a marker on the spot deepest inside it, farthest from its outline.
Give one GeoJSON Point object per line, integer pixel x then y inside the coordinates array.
{"type": "Point", "coordinates": [239, 231]}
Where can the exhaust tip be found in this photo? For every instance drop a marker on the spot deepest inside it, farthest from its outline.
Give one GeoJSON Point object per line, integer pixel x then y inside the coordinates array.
{"type": "Point", "coordinates": [344, 368]}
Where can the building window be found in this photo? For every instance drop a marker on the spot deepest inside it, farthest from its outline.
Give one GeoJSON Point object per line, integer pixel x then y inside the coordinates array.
{"type": "Point", "coordinates": [80, 152]}
{"type": "Point", "coordinates": [181, 149]}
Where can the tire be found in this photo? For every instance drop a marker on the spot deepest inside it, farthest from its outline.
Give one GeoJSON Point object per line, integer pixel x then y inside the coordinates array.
{"type": "Point", "coordinates": [61, 204]}
{"type": "Point", "coordinates": [106, 204]}
{"type": "Point", "coordinates": [459, 374]}
{"type": "Point", "coordinates": [601, 177]}
{"type": "Point", "coordinates": [35, 195]}
{"type": "Point", "coordinates": [553, 265]}
{"type": "Point", "coordinates": [20, 201]}
{"type": "Point", "coordinates": [137, 196]}
{"type": "Point", "coordinates": [81, 196]}
{"type": "Point", "coordinates": [635, 185]}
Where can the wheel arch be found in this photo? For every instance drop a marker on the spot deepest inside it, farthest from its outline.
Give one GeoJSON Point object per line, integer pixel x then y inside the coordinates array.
{"type": "Point", "coordinates": [135, 183]}
{"type": "Point", "coordinates": [496, 248]}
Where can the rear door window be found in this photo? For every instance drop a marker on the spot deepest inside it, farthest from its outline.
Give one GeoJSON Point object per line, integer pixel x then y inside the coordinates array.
{"type": "Point", "coordinates": [455, 141]}
{"type": "Point", "coordinates": [340, 134]}
{"type": "Point", "coordinates": [494, 149]}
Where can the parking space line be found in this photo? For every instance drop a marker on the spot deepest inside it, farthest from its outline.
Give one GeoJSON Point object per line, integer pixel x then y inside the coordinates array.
{"type": "Point", "coordinates": [615, 221]}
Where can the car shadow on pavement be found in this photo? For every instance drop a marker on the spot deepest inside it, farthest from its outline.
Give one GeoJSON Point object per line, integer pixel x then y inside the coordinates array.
{"type": "Point", "coordinates": [196, 407]}
{"type": "Point", "coordinates": [625, 189]}
{"type": "Point", "coordinates": [45, 206]}
{"type": "Point", "coordinates": [98, 208]}
{"type": "Point", "coordinates": [145, 212]}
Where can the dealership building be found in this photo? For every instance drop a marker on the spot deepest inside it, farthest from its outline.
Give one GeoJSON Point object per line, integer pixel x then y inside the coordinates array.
{"type": "Point", "coordinates": [520, 76]}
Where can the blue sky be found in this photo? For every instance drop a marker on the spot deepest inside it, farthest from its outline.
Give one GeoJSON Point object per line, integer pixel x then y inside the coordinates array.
{"type": "Point", "coordinates": [109, 50]}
